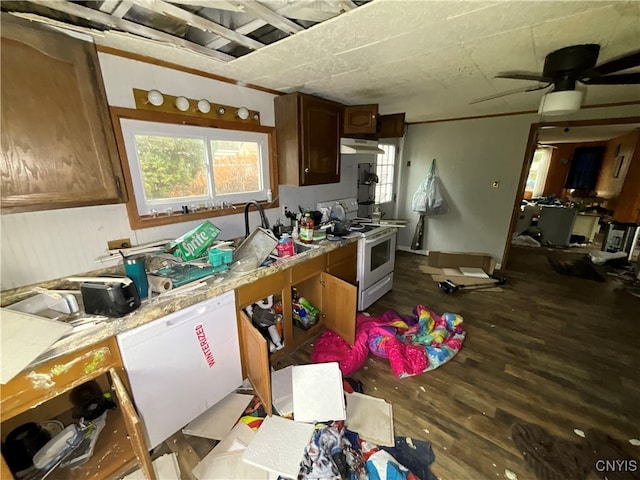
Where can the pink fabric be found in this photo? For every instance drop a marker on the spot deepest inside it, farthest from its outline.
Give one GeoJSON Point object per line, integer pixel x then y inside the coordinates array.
{"type": "Point", "coordinates": [413, 344]}
{"type": "Point", "coordinates": [330, 347]}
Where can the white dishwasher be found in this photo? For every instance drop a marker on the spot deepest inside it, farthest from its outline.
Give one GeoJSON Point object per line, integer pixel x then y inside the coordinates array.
{"type": "Point", "coordinates": [182, 364]}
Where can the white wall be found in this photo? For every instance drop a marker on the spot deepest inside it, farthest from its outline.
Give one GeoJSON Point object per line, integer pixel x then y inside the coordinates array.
{"type": "Point", "coordinates": [470, 155]}
{"type": "Point", "coordinates": [39, 246]}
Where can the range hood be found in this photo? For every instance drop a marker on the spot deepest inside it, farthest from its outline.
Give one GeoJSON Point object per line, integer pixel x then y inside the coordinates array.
{"type": "Point", "coordinates": [357, 145]}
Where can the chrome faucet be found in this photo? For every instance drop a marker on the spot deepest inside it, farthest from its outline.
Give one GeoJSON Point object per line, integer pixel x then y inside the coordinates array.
{"type": "Point", "coordinates": [265, 222]}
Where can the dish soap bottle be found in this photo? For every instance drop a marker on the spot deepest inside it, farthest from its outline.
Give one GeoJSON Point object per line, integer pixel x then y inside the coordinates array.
{"type": "Point", "coordinates": [306, 228]}
{"type": "Point", "coordinates": [285, 246]}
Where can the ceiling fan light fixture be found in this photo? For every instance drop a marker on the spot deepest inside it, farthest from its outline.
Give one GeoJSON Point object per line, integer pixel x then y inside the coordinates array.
{"type": "Point", "coordinates": [561, 102]}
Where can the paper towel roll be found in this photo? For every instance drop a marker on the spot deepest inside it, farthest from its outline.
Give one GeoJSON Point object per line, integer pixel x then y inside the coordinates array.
{"type": "Point", "coordinates": [159, 284]}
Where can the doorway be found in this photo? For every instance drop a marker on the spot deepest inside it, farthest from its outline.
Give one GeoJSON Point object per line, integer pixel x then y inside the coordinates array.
{"type": "Point", "coordinates": [559, 140]}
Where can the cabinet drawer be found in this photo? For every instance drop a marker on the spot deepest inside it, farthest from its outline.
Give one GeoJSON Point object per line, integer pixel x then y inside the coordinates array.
{"type": "Point", "coordinates": [308, 268]}
{"type": "Point", "coordinates": [35, 386]}
{"type": "Point", "coordinates": [343, 253]}
{"type": "Point", "coordinates": [262, 288]}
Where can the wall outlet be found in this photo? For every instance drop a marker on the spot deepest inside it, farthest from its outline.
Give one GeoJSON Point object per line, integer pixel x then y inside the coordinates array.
{"type": "Point", "coordinates": [285, 209]}
{"type": "Point", "coordinates": [120, 243]}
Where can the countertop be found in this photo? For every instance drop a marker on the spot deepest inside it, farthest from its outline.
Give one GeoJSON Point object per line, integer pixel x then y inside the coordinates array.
{"type": "Point", "coordinates": [157, 306]}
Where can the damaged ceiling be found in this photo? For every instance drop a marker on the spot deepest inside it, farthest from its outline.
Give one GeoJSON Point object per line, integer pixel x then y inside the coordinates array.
{"type": "Point", "coordinates": [221, 29]}
{"type": "Point", "coordinates": [428, 58]}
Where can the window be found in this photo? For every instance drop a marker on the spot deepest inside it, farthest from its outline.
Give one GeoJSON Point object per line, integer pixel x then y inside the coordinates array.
{"type": "Point", "coordinates": [538, 171]}
{"type": "Point", "coordinates": [173, 165]}
{"type": "Point", "coordinates": [385, 171]}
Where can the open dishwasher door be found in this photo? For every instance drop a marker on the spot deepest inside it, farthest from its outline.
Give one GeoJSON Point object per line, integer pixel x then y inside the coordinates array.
{"type": "Point", "coordinates": [182, 364]}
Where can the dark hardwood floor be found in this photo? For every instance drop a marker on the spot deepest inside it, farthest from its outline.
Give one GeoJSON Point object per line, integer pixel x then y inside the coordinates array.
{"type": "Point", "coordinates": [558, 351]}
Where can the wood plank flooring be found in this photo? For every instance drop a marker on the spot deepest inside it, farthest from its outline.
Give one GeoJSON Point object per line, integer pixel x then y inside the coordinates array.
{"type": "Point", "coordinates": [558, 351]}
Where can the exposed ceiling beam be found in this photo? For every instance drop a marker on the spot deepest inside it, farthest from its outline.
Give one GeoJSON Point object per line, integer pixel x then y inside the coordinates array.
{"type": "Point", "coordinates": [346, 5]}
{"type": "Point", "coordinates": [252, 26]}
{"type": "Point", "coordinates": [122, 9]}
{"type": "Point", "coordinates": [130, 27]}
{"type": "Point", "coordinates": [164, 8]}
{"type": "Point", "coordinates": [218, 5]}
{"type": "Point", "coordinates": [274, 18]}
{"type": "Point", "coordinates": [108, 6]}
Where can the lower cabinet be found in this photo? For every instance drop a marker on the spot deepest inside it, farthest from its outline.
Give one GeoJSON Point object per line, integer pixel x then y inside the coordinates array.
{"type": "Point", "coordinates": [44, 394]}
{"type": "Point", "coordinates": [334, 297]}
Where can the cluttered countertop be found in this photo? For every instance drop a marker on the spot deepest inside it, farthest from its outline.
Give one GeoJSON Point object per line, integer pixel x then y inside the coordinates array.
{"type": "Point", "coordinates": [91, 329]}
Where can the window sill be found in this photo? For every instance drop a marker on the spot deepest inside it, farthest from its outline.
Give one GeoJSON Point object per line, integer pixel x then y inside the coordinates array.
{"type": "Point", "coordinates": [147, 221]}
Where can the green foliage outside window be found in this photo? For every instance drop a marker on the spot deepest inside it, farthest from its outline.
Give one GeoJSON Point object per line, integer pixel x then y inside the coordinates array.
{"type": "Point", "coordinates": [172, 166]}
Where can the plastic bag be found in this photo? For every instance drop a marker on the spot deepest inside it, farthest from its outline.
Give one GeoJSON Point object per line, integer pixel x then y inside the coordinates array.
{"type": "Point", "coordinates": [428, 199]}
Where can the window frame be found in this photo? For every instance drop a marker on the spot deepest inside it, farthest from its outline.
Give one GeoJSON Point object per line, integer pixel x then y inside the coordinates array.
{"type": "Point", "coordinates": [393, 166]}
{"type": "Point", "coordinates": [139, 221]}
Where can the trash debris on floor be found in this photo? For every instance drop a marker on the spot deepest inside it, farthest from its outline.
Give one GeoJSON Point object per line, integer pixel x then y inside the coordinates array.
{"type": "Point", "coordinates": [360, 443]}
{"type": "Point", "coordinates": [463, 269]}
{"type": "Point", "coordinates": [317, 392]}
{"type": "Point", "coordinates": [550, 457]}
{"type": "Point", "coordinates": [581, 267]}
{"type": "Point", "coordinates": [371, 417]}
{"type": "Point", "coordinates": [413, 344]}
{"type": "Point", "coordinates": [282, 391]}
{"type": "Point", "coordinates": [279, 445]}
{"type": "Point", "coordinates": [217, 421]}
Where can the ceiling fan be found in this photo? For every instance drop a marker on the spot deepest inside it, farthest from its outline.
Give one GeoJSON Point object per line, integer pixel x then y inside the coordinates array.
{"type": "Point", "coordinates": [564, 68]}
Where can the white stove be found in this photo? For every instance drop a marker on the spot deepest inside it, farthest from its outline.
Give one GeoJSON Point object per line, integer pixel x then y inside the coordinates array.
{"type": "Point", "coordinates": [376, 249]}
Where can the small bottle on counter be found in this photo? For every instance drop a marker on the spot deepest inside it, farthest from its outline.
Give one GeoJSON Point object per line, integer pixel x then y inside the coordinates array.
{"type": "Point", "coordinates": [285, 246]}
{"type": "Point", "coordinates": [306, 228]}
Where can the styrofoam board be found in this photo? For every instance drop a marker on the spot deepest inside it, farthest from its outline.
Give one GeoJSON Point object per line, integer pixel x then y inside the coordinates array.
{"type": "Point", "coordinates": [227, 466]}
{"type": "Point", "coordinates": [24, 338]}
{"type": "Point", "coordinates": [218, 420]}
{"type": "Point", "coordinates": [235, 442]}
{"type": "Point", "coordinates": [166, 467]}
{"type": "Point", "coordinates": [371, 417]}
{"type": "Point", "coordinates": [473, 272]}
{"type": "Point", "coordinates": [279, 446]}
{"type": "Point", "coordinates": [318, 394]}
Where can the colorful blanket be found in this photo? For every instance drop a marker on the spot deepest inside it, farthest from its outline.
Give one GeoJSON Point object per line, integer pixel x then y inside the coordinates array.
{"type": "Point", "coordinates": [413, 343]}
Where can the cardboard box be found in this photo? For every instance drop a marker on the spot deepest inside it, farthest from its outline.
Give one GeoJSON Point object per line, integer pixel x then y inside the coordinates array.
{"type": "Point", "coordinates": [195, 242]}
{"type": "Point", "coordinates": [446, 266]}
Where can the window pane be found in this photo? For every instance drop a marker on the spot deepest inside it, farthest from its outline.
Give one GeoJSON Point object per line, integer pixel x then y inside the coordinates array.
{"type": "Point", "coordinates": [384, 170]}
{"type": "Point", "coordinates": [236, 166]}
{"type": "Point", "coordinates": [172, 166]}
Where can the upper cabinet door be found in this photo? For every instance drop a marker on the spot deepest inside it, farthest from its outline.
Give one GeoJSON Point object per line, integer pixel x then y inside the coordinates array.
{"type": "Point", "coordinates": [321, 141]}
{"type": "Point", "coordinates": [360, 119]}
{"type": "Point", "coordinates": [57, 143]}
{"type": "Point", "coordinates": [308, 133]}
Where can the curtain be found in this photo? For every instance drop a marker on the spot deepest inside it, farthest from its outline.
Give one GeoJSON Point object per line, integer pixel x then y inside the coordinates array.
{"type": "Point", "coordinates": [585, 167]}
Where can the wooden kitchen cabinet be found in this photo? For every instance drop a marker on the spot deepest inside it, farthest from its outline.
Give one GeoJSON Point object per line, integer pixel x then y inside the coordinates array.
{"type": "Point", "coordinates": [341, 263]}
{"type": "Point", "coordinates": [57, 142]}
{"type": "Point", "coordinates": [43, 394]}
{"type": "Point", "coordinates": [391, 126]}
{"type": "Point", "coordinates": [335, 298]}
{"type": "Point", "coordinates": [360, 119]}
{"type": "Point", "coordinates": [386, 126]}
{"type": "Point", "coordinates": [308, 136]}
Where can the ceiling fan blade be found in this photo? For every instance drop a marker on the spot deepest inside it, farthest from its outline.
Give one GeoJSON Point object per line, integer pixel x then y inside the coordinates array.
{"type": "Point", "coordinates": [536, 77]}
{"type": "Point", "coordinates": [619, 79]}
{"type": "Point", "coordinates": [509, 92]}
{"type": "Point", "coordinates": [616, 65]}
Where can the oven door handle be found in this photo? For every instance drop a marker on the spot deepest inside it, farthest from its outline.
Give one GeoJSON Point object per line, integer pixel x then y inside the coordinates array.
{"type": "Point", "coordinates": [379, 239]}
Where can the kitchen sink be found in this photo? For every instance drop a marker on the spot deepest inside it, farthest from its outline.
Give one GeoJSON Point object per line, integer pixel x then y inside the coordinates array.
{"type": "Point", "coordinates": [300, 247]}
